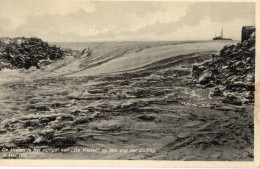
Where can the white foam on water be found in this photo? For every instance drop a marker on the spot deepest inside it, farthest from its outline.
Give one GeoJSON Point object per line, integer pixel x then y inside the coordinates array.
{"type": "Point", "coordinates": [59, 67]}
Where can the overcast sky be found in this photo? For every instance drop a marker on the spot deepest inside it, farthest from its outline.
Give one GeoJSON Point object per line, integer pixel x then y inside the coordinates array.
{"type": "Point", "coordinates": [72, 20]}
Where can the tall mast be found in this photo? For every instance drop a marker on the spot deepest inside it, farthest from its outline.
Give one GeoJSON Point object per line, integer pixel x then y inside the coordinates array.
{"type": "Point", "coordinates": [222, 32]}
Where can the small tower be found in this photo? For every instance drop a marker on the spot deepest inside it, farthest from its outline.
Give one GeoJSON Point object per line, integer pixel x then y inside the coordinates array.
{"type": "Point", "coordinates": [222, 32]}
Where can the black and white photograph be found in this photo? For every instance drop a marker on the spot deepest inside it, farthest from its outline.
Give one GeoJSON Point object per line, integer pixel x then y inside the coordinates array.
{"type": "Point", "coordinates": [127, 80]}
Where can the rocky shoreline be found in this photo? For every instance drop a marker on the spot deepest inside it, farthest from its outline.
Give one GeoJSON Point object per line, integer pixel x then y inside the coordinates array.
{"type": "Point", "coordinates": [17, 53]}
{"type": "Point", "coordinates": [230, 74]}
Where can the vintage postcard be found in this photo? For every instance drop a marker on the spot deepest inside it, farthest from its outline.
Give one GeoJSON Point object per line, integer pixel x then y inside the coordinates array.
{"type": "Point", "coordinates": [129, 83]}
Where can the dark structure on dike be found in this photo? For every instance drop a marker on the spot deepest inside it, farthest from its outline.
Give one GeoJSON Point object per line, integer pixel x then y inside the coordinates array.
{"type": "Point", "coordinates": [246, 32]}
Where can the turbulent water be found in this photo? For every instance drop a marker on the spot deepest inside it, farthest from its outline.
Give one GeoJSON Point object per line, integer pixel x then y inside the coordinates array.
{"type": "Point", "coordinates": [126, 95]}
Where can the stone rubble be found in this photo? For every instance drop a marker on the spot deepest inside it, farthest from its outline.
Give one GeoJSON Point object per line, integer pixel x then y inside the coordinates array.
{"type": "Point", "coordinates": [17, 53]}
{"type": "Point", "coordinates": [231, 73]}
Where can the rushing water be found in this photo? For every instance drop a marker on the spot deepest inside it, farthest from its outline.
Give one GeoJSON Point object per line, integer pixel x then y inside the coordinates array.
{"type": "Point", "coordinates": [154, 109]}
{"type": "Point", "coordinates": [111, 57]}
{"type": "Point", "coordinates": [147, 56]}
